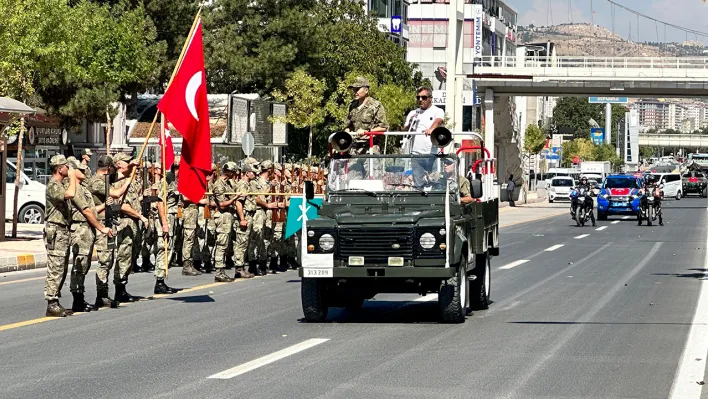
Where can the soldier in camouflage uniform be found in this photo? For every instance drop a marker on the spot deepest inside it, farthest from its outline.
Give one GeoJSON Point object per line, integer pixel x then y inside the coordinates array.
{"type": "Point", "coordinates": [190, 220]}
{"type": "Point", "coordinates": [258, 244]}
{"type": "Point", "coordinates": [276, 250]}
{"type": "Point", "coordinates": [224, 219]}
{"type": "Point", "coordinates": [128, 228]}
{"type": "Point", "coordinates": [148, 233]}
{"type": "Point", "coordinates": [85, 159]}
{"type": "Point", "coordinates": [161, 223]}
{"type": "Point", "coordinates": [267, 168]}
{"type": "Point", "coordinates": [365, 115]}
{"type": "Point", "coordinates": [206, 229]}
{"type": "Point", "coordinates": [105, 245]}
{"type": "Point", "coordinates": [84, 224]}
{"type": "Point", "coordinates": [246, 209]}
{"type": "Point", "coordinates": [56, 231]}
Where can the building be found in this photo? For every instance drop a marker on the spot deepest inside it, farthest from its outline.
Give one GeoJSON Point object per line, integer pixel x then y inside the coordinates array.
{"type": "Point", "coordinates": [393, 18]}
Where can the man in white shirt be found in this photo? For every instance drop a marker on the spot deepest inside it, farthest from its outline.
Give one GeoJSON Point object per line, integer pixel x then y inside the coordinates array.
{"type": "Point", "coordinates": [423, 120]}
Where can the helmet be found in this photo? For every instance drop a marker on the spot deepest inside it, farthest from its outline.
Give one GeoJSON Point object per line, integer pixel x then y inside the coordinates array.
{"type": "Point", "coordinates": [584, 180]}
{"type": "Point", "coordinates": [650, 179]}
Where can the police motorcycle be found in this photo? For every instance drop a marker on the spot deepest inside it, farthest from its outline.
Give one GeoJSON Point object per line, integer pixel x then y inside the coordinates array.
{"type": "Point", "coordinates": [650, 202]}
{"type": "Point", "coordinates": [581, 203]}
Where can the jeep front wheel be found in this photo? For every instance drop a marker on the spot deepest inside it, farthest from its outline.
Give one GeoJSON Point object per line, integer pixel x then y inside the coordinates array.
{"type": "Point", "coordinates": [480, 288]}
{"type": "Point", "coordinates": [454, 296]}
{"type": "Point", "coordinates": [314, 303]}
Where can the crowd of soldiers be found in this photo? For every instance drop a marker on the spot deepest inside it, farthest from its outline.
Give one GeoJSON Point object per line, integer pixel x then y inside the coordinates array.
{"type": "Point", "coordinates": [118, 211]}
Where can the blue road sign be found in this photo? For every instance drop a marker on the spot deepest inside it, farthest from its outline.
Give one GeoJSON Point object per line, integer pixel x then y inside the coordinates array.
{"type": "Point", "coordinates": [611, 100]}
{"type": "Point", "coordinates": [553, 156]}
{"type": "Point", "coordinates": [396, 24]}
{"type": "Point", "coordinates": [597, 135]}
{"type": "Point", "coordinates": [555, 150]}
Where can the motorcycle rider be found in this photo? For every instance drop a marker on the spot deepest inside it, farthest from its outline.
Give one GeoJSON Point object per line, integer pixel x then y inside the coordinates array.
{"type": "Point", "coordinates": [583, 183]}
{"type": "Point", "coordinates": [650, 187]}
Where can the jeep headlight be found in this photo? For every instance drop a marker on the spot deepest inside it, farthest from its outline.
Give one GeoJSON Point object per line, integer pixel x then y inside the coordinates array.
{"type": "Point", "coordinates": [326, 242]}
{"type": "Point", "coordinates": [427, 241]}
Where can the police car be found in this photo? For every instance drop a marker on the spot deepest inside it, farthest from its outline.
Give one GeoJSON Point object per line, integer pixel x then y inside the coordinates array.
{"type": "Point", "coordinates": [618, 196]}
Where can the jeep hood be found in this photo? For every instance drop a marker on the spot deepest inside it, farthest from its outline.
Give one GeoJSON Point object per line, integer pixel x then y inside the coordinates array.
{"type": "Point", "coordinates": [395, 215]}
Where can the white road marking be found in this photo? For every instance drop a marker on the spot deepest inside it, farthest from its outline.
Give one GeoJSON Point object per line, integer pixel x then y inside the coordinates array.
{"type": "Point", "coordinates": [553, 248]}
{"type": "Point", "coordinates": [427, 298]}
{"type": "Point", "coordinates": [692, 365]}
{"type": "Point", "coordinates": [268, 359]}
{"type": "Point", "coordinates": [581, 236]}
{"type": "Point", "coordinates": [601, 228]}
{"type": "Point", "coordinates": [626, 217]}
{"type": "Point", "coordinates": [615, 222]}
{"type": "Point", "coordinates": [513, 264]}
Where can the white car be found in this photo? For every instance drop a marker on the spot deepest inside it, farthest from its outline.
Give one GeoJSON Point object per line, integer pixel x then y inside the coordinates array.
{"type": "Point", "coordinates": [560, 188]}
{"type": "Point", "coordinates": [30, 202]}
{"type": "Point", "coordinates": [672, 184]}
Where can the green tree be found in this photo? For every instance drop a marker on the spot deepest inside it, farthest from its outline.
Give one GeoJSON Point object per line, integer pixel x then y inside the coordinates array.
{"type": "Point", "coordinates": [304, 95]}
{"type": "Point", "coordinates": [534, 140]}
{"type": "Point", "coordinates": [647, 152]}
{"type": "Point", "coordinates": [575, 112]}
{"type": "Point", "coordinates": [606, 152]}
{"type": "Point", "coordinates": [584, 149]}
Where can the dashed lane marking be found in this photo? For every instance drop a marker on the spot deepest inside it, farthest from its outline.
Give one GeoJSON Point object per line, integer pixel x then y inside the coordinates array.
{"type": "Point", "coordinates": [553, 248]}
{"type": "Point", "coordinates": [615, 222]}
{"type": "Point", "coordinates": [601, 228]}
{"type": "Point", "coordinates": [581, 236]}
{"type": "Point", "coordinates": [513, 264]}
{"type": "Point", "coordinates": [625, 217]}
{"type": "Point", "coordinates": [268, 359]}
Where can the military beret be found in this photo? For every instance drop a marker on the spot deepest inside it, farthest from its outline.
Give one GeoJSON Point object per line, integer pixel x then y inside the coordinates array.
{"type": "Point", "coordinates": [105, 161]}
{"type": "Point", "coordinates": [122, 157]}
{"type": "Point", "coordinates": [267, 164]}
{"type": "Point", "coordinates": [58, 160]}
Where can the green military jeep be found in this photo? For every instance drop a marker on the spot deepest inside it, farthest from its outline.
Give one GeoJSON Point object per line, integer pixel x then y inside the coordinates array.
{"type": "Point", "coordinates": [381, 231]}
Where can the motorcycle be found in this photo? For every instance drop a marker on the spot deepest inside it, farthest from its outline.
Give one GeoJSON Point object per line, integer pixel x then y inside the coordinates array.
{"type": "Point", "coordinates": [649, 206]}
{"type": "Point", "coordinates": [583, 205]}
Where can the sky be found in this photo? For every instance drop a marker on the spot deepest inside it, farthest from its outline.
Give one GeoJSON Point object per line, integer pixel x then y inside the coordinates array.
{"type": "Point", "coordinates": [692, 14]}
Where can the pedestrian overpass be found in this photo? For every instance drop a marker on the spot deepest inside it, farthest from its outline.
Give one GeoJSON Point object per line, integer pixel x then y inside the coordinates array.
{"type": "Point", "coordinates": [689, 141]}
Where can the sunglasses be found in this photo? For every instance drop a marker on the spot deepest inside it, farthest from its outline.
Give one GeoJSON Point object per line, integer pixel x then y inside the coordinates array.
{"type": "Point", "coordinates": [422, 98]}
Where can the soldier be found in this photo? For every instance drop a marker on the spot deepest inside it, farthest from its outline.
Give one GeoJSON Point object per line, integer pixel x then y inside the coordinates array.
{"type": "Point", "coordinates": [245, 209]}
{"type": "Point", "coordinates": [190, 220]}
{"type": "Point", "coordinates": [149, 232]}
{"type": "Point", "coordinates": [85, 159]}
{"type": "Point", "coordinates": [258, 244]}
{"type": "Point", "coordinates": [277, 245]}
{"type": "Point", "coordinates": [56, 231]}
{"type": "Point", "coordinates": [161, 224]}
{"type": "Point", "coordinates": [205, 229]}
{"type": "Point", "coordinates": [105, 245]}
{"type": "Point", "coordinates": [84, 223]}
{"type": "Point", "coordinates": [128, 228]}
{"type": "Point", "coordinates": [223, 216]}
{"type": "Point", "coordinates": [365, 115]}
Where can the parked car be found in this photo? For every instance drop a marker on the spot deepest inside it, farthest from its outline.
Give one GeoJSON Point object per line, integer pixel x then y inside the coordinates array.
{"type": "Point", "coordinates": [30, 202]}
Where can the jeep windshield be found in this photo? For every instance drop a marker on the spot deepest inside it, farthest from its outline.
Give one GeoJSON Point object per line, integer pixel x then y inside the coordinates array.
{"type": "Point", "coordinates": [393, 173]}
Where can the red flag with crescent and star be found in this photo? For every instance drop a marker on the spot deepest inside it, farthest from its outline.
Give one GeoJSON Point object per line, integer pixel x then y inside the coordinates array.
{"type": "Point", "coordinates": [185, 106]}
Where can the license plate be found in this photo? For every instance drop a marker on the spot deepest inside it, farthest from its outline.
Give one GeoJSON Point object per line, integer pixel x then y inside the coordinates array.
{"type": "Point", "coordinates": [317, 273]}
{"type": "Point", "coordinates": [620, 204]}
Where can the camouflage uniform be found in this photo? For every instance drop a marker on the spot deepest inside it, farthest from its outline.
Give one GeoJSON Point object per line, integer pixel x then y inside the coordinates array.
{"type": "Point", "coordinates": [56, 237]}
{"type": "Point", "coordinates": [243, 234]}
{"type": "Point", "coordinates": [82, 237]}
{"type": "Point", "coordinates": [156, 222]}
{"type": "Point", "coordinates": [175, 240]}
{"type": "Point", "coordinates": [367, 116]}
{"type": "Point", "coordinates": [105, 246]}
{"type": "Point", "coordinates": [277, 245]}
{"type": "Point", "coordinates": [190, 219]}
{"type": "Point", "coordinates": [257, 245]}
{"type": "Point", "coordinates": [224, 220]}
{"type": "Point", "coordinates": [149, 232]}
{"type": "Point", "coordinates": [127, 235]}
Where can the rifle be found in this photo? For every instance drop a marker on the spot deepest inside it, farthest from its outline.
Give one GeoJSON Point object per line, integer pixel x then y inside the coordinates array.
{"type": "Point", "coordinates": [112, 210]}
{"type": "Point", "coordinates": [207, 207]}
{"type": "Point", "coordinates": [148, 199]}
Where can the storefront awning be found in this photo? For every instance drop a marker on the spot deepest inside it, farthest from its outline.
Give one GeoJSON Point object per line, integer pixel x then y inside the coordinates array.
{"type": "Point", "coordinates": [9, 105]}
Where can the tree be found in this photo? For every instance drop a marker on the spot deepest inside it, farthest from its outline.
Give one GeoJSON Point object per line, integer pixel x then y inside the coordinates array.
{"type": "Point", "coordinates": [647, 152]}
{"type": "Point", "coordinates": [304, 95]}
{"type": "Point", "coordinates": [607, 152]}
{"type": "Point", "coordinates": [534, 140]}
{"type": "Point", "coordinates": [584, 149]}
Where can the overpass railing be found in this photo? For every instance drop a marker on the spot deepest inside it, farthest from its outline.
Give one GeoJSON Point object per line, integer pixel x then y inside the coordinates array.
{"type": "Point", "coordinates": [594, 62]}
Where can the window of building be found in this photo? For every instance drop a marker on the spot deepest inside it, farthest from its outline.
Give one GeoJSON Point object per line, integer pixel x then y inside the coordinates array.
{"type": "Point", "coordinates": [379, 8]}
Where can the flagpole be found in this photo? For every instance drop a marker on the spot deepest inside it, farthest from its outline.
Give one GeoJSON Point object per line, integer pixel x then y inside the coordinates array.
{"type": "Point", "coordinates": [174, 72]}
{"type": "Point", "coordinates": [165, 240]}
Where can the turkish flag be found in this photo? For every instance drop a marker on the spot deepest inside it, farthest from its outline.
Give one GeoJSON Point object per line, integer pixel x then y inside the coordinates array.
{"type": "Point", "coordinates": [185, 106]}
{"type": "Point", "coordinates": [166, 142]}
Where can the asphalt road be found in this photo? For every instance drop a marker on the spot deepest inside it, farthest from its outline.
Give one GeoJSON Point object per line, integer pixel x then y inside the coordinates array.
{"type": "Point", "coordinates": [606, 315]}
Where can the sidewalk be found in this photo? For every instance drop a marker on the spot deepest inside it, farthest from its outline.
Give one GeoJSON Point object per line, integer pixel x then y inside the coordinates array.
{"type": "Point", "coordinates": [524, 213]}
{"type": "Point", "coordinates": [26, 252]}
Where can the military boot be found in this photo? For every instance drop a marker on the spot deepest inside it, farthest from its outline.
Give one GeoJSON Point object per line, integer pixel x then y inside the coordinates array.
{"type": "Point", "coordinates": [282, 264]}
{"type": "Point", "coordinates": [80, 305]}
{"type": "Point", "coordinates": [221, 277]}
{"type": "Point", "coordinates": [242, 272]}
{"type": "Point", "coordinates": [103, 300]}
{"type": "Point", "coordinates": [208, 267]}
{"type": "Point", "coordinates": [123, 296]}
{"type": "Point", "coordinates": [198, 265]}
{"type": "Point", "coordinates": [162, 288]}
{"type": "Point", "coordinates": [147, 265]}
{"type": "Point", "coordinates": [254, 268]}
{"type": "Point", "coordinates": [136, 268]}
{"type": "Point", "coordinates": [188, 269]}
{"type": "Point", "coordinates": [229, 262]}
{"type": "Point", "coordinates": [54, 309]}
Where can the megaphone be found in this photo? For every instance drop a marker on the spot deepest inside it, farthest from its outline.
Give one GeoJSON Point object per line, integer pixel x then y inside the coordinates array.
{"type": "Point", "coordinates": [441, 136]}
{"type": "Point", "coordinates": [341, 141]}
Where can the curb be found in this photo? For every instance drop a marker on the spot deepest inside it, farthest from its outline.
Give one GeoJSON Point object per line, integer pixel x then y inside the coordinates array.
{"type": "Point", "coordinates": [26, 261]}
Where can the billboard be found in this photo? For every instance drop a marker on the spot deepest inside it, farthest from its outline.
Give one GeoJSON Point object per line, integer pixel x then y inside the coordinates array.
{"type": "Point", "coordinates": [432, 33]}
{"type": "Point", "coordinates": [478, 13]}
{"type": "Point", "coordinates": [597, 135]}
